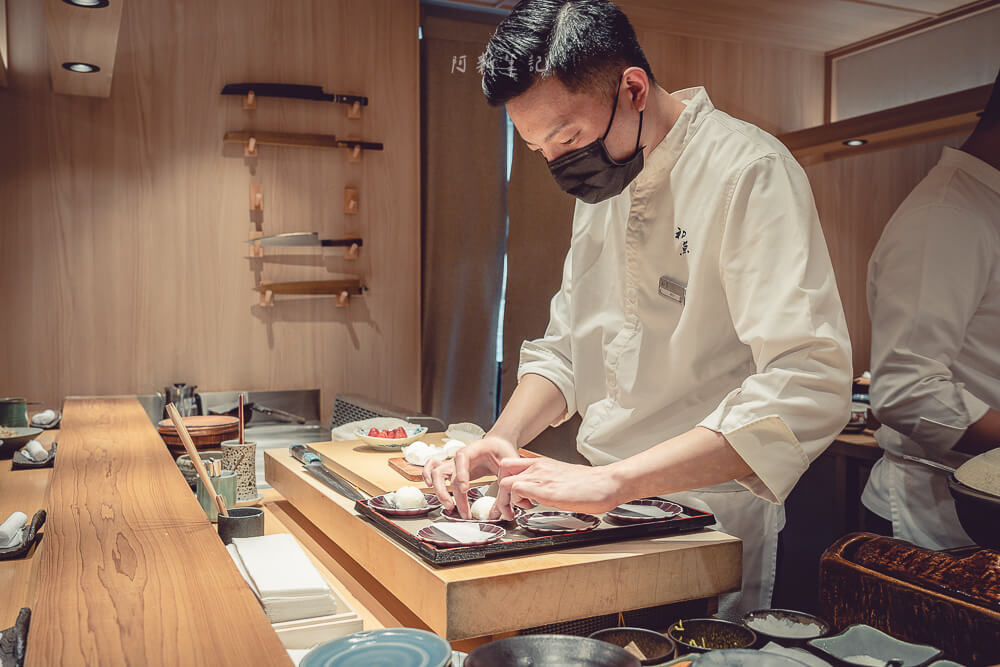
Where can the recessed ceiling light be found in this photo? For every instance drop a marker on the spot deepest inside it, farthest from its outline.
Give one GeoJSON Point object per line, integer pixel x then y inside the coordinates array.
{"type": "Point", "coordinates": [89, 4]}
{"type": "Point", "coordinates": [82, 68]}
{"type": "Point", "coordinates": [855, 142]}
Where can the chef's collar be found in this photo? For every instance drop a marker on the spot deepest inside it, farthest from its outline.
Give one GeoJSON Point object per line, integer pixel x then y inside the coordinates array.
{"type": "Point", "coordinates": [973, 166]}
{"type": "Point", "coordinates": [665, 154]}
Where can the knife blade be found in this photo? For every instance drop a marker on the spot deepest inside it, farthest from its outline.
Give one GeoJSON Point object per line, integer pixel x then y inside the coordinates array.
{"type": "Point", "coordinates": [313, 464]}
{"type": "Point", "coordinates": [293, 90]}
{"type": "Point", "coordinates": [305, 239]}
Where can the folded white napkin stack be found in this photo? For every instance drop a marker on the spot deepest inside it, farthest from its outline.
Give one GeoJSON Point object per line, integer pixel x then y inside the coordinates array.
{"type": "Point", "coordinates": [287, 584]}
{"type": "Point", "coordinates": [35, 451]}
{"type": "Point", "coordinates": [10, 530]}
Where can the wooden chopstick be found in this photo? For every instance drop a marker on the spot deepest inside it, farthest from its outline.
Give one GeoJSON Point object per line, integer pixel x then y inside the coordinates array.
{"type": "Point", "coordinates": [182, 431]}
{"type": "Point", "coordinates": [240, 415]}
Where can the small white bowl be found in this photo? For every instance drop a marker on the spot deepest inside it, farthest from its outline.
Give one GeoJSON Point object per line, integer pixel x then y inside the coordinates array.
{"type": "Point", "coordinates": [391, 444]}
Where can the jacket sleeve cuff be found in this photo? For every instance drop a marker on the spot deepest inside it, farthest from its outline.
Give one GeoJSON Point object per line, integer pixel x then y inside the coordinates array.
{"type": "Point", "coordinates": [771, 450]}
{"type": "Point", "coordinates": [537, 360]}
{"type": "Point", "coordinates": [943, 436]}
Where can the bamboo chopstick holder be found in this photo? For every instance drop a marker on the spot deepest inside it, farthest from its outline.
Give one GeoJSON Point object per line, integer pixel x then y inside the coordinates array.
{"type": "Point", "coordinates": [182, 431]}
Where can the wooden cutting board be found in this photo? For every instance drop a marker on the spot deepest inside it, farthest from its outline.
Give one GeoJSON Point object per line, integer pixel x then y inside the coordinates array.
{"type": "Point", "coordinates": [369, 469]}
{"type": "Point", "coordinates": [415, 473]}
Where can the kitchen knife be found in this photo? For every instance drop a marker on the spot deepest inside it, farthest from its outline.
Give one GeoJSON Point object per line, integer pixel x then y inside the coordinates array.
{"type": "Point", "coordinates": [305, 239]}
{"type": "Point", "coordinates": [313, 463]}
{"type": "Point", "coordinates": [292, 90]}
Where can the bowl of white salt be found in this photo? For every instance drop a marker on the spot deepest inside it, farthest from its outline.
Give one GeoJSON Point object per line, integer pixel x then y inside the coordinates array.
{"type": "Point", "coordinates": [785, 626]}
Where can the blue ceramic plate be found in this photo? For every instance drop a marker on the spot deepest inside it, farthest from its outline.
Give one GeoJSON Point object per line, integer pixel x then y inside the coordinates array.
{"type": "Point", "coordinates": [864, 641]}
{"type": "Point", "coordinates": [390, 647]}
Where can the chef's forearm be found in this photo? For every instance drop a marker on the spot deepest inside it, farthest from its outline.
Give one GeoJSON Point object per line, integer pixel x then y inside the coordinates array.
{"type": "Point", "coordinates": [535, 404]}
{"type": "Point", "coordinates": [693, 460]}
{"type": "Point", "coordinates": [981, 436]}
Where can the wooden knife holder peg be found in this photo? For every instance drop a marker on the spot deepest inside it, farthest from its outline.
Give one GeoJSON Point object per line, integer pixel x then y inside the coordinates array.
{"type": "Point", "coordinates": [352, 201]}
{"type": "Point", "coordinates": [250, 100]}
{"type": "Point", "coordinates": [250, 147]}
{"type": "Point", "coordinates": [354, 111]}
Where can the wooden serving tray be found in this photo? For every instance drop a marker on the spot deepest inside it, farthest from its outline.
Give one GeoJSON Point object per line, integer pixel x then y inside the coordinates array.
{"type": "Point", "coordinates": [548, 586]}
{"type": "Point", "coordinates": [519, 541]}
{"type": "Point", "coordinates": [415, 473]}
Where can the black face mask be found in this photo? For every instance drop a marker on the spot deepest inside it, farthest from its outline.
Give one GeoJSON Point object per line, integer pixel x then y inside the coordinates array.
{"type": "Point", "coordinates": [591, 174]}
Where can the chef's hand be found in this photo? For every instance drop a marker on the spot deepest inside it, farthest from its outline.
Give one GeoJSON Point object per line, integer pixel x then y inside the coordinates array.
{"type": "Point", "coordinates": [472, 461]}
{"type": "Point", "coordinates": [566, 486]}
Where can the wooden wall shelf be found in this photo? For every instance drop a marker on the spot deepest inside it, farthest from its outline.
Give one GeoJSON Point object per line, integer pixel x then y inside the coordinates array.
{"type": "Point", "coordinates": [343, 289]}
{"type": "Point", "coordinates": [908, 124]}
{"type": "Point", "coordinates": [250, 140]}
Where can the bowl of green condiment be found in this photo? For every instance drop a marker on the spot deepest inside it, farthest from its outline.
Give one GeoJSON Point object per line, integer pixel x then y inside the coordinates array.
{"type": "Point", "coordinates": [699, 635]}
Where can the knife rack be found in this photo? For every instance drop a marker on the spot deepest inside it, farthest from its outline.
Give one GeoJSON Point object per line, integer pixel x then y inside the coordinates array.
{"type": "Point", "coordinates": [252, 139]}
{"type": "Point", "coordinates": [342, 289]}
{"type": "Point", "coordinates": [284, 91]}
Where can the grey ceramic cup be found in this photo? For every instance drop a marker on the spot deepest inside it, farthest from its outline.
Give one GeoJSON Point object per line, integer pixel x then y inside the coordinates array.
{"type": "Point", "coordinates": [241, 522]}
{"type": "Point", "coordinates": [225, 485]}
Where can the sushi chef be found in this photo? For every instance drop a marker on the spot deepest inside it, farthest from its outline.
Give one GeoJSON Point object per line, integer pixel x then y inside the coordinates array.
{"type": "Point", "coordinates": [698, 329]}
{"type": "Point", "coordinates": [934, 300]}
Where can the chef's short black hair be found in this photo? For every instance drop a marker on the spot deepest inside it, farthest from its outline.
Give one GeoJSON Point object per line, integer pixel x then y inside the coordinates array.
{"type": "Point", "coordinates": [585, 44]}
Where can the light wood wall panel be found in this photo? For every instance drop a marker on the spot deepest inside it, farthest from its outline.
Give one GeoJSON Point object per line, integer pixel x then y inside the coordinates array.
{"type": "Point", "coordinates": [856, 196]}
{"type": "Point", "coordinates": [945, 59]}
{"type": "Point", "coordinates": [124, 220]}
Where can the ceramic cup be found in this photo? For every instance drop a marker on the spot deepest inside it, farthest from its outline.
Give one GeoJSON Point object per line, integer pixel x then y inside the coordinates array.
{"type": "Point", "coordinates": [241, 522]}
{"type": "Point", "coordinates": [225, 484]}
{"type": "Point", "coordinates": [240, 458]}
{"type": "Point", "coordinates": [13, 412]}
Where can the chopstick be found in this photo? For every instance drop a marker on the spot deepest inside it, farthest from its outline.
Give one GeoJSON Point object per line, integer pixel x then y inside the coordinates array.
{"type": "Point", "coordinates": [182, 431]}
{"type": "Point", "coordinates": [240, 416]}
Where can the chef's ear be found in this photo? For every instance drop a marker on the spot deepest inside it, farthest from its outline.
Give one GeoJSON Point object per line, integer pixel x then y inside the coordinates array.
{"type": "Point", "coordinates": [637, 84]}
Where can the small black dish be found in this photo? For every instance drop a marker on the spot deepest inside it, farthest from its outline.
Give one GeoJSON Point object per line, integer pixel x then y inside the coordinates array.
{"type": "Point", "coordinates": [699, 635]}
{"type": "Point", "coordinates": [51, 425]}
{"type": "Point", "coordinates": [550, 650]}
{"type": "Point", "coordinates": [241, 522]}
{"type": "Point", "coordinates": [978, 513]}
{"type": "Point", "coordinates": [22, 462]}
{"type": "Point", "coordinates": [657, 647]}
{"type": "Point", "coordinates": [29, 534]}
{"type": "Point", "coordinates": [14, 640]}
{"type": "Point", "coordinates": [759, 616]}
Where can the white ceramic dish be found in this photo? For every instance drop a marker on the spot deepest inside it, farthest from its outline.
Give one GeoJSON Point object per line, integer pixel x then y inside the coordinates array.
{"type": "Point", "coordinates": [413, 432]}
{"type": "Point", "coordinates": [464, 432]}
{"type": "Point", "coordinates": [864, 640]}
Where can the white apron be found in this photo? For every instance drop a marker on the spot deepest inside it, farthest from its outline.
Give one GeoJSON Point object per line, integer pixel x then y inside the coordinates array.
{"type": "Point", "coordinates": [917, 502]}
{"type": "Point", "coordinates": [755, 521]}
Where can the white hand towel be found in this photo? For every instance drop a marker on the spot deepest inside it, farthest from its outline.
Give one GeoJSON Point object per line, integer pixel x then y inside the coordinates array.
{"type": "Point", "coordinates": [279, 568]}
{"type": "Point", "coordinates": [647, 510]}
{"type": "Point", "coordinates": [559, 521]}
{"type": "Point", "coordinates": [35, 451]}
{"type": "Point", "coordinates": [44, 417]}
{"type": "Point", "coordinates": [10, 530]}
{"type": "Point", "coordinates": [463, 532]}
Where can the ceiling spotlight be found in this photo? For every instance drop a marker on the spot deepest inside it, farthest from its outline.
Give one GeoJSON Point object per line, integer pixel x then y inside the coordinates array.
{"type": "Point", "coordinates": [89, 4]}
{"type": "Point", "coordinates": [82, 68]}
{"type": "Point", "coordinates": [855, 142]}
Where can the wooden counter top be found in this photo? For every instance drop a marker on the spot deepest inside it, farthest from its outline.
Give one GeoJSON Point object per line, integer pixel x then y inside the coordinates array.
{"type": "Point", "coordinates": [131, 571]}
{"type": "Point", "coordinates": [535, 589]}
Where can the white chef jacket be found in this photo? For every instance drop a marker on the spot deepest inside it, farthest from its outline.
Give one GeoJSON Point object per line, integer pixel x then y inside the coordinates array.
{"type": "Point", "coordinates": [758, 350]}
{"type": "Point", "coordinates": [934, 300]}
